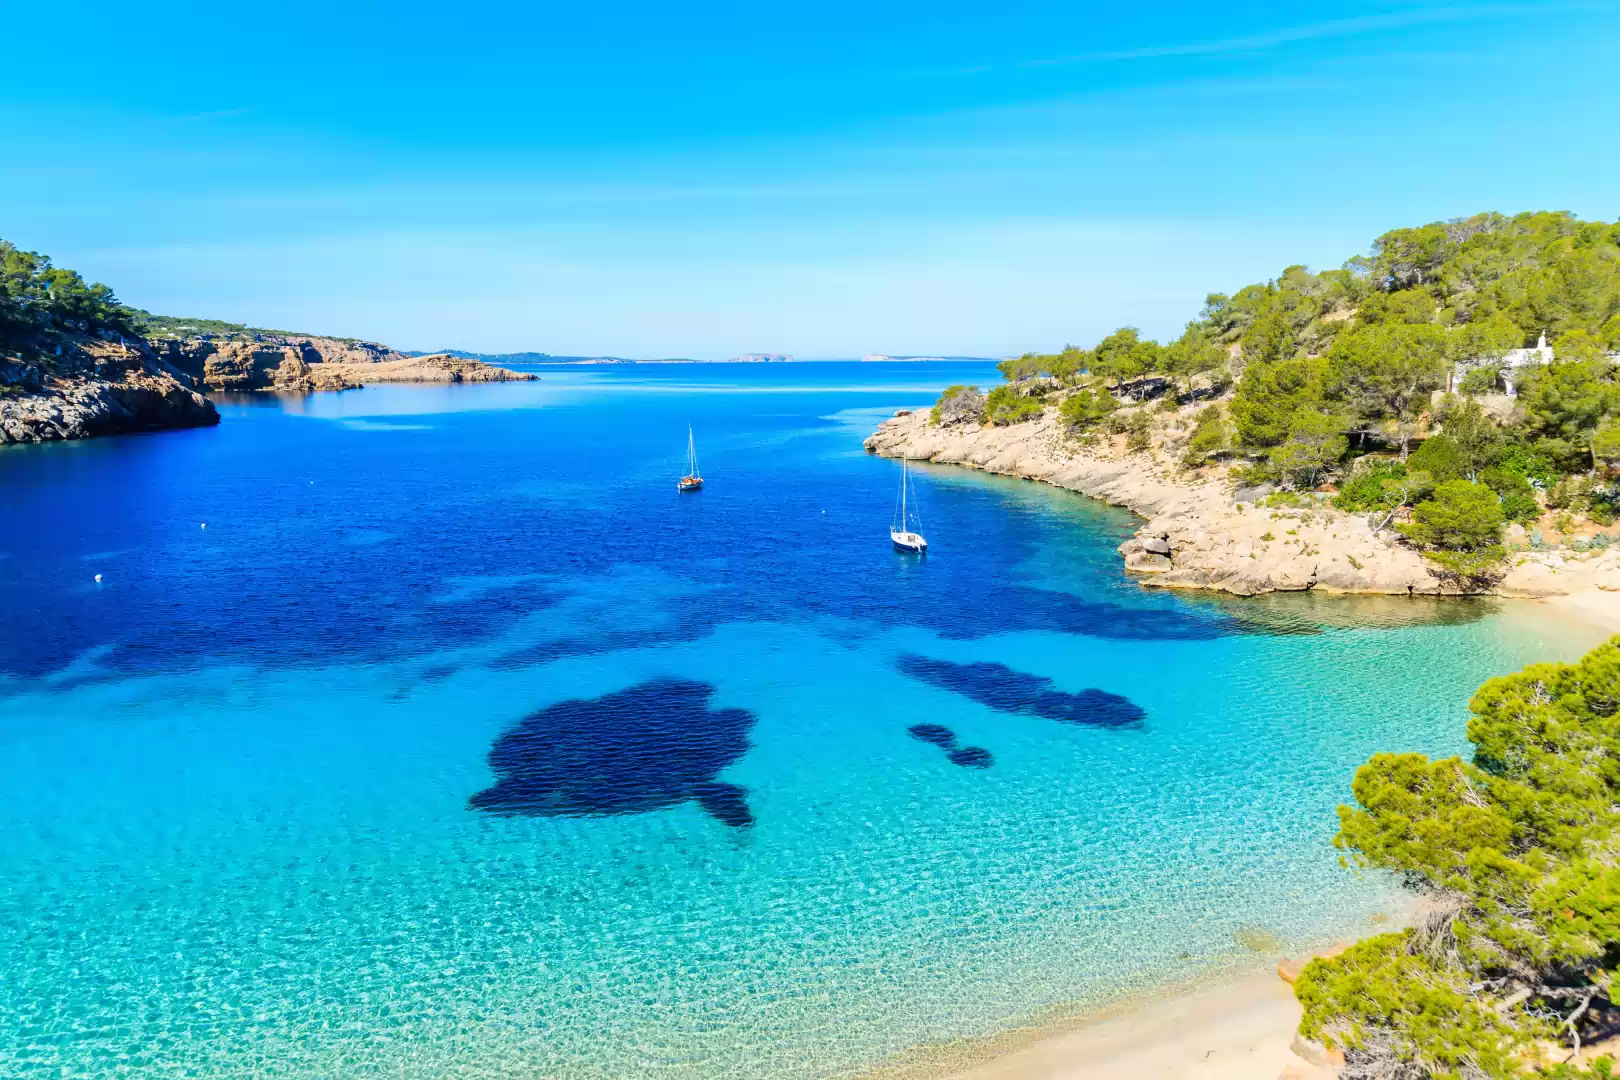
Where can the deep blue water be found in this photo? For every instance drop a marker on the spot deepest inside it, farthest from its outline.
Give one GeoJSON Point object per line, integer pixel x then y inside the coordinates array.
{"type": "Point", "coordinates": [458, 743]}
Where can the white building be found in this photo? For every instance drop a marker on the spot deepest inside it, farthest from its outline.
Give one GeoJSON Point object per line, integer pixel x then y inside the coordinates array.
{"type": "Point", "coordinates": [1512, 364]}
{"type": "Point", "coordinates": [1516, 360]}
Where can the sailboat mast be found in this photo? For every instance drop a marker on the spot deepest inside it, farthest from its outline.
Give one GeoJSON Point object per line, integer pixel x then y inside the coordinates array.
{"type": "Point", "coordinates": [904, 476]}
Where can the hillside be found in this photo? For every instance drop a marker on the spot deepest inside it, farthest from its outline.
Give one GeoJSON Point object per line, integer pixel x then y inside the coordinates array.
{"type": "Point", "coordinates": [1456, 390]}
{"type": "Point", "coordinates": [72, 363]}
{"type": "Point", "coordinates": [77, 362]}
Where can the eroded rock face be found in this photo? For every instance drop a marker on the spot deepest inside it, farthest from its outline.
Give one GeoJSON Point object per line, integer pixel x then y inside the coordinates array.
{"type": "Point", "coordinates": [301, 365]}
{"type": "Point", "coordinates": [439, 368]}
{"type": "Point", "coordinates": [97, 388]}
{"type": "Point", "coordinates": [234, 365]}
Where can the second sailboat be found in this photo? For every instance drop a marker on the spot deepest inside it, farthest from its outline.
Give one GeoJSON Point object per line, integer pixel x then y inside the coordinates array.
{"type": "Point", "coordinates": [901, 534]}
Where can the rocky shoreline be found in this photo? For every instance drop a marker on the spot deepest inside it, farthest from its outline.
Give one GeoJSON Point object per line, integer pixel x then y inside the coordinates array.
{"type": "Point", "coordinates": [303, 365]}
{"type": "Point", "coordinates": [1202, 534]}
{"type": "Point", "coordinates": [97, 388]}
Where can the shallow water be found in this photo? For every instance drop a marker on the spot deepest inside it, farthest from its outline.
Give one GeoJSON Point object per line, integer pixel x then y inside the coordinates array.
{"type": "Point", "coordinates": [459, 745]}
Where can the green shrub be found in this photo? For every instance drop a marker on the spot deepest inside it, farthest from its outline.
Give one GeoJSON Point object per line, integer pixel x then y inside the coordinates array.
{"type": "Point", "coordinates": [1085, 408]}
{"type": "Point", "coordinates": [1570, 493]}
{"type": "Point", "coordinates": [1314, 444]}
{"type": "Point", "coordinates": [1254, 473]}
{"type": "Point", "coordinates": [1603, 503]}
{"type": "Point", "coordinates": [1440, 458]}
{"type": "Point", "coordinates": [1460, 527]}
{"type": "Point", "coordinates": [1006, 405]}
{"type": "Point", "coordinates": [1517, 495]}
{"type": "Point", "coordinates": [1375, 484]}
{"type": "Point", "coordinates": [1480, 380]}
{"type": "Point", "coordinates": [1517, 457]}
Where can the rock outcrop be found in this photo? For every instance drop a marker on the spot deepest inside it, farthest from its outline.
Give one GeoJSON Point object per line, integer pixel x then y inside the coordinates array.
{"type": "Point", "coordinates": [97, 388]}
{"type": "Point", "coordinates": [439, 368]}
{"type": "Point", "coordinates": [301, 365]}
{"type": "Point", "coordinates": [1198, 536]}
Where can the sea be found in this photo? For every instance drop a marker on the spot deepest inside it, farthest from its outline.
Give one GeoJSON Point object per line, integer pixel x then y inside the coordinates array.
{"type": "Point", "coordinates": [429, 732]}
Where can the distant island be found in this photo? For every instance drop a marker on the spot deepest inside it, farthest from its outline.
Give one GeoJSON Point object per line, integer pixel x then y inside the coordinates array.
{"type": "Point", "coordinates": [548, 358]}
{"type": "Point", "coordinates": [883, 358]}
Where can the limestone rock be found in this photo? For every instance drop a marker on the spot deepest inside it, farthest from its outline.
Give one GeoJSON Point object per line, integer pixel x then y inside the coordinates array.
{"type": "Point", "coordinates": [1252, 494]}
{"type": "Point", "coordinates": [274, 362]}
{"type": "Point", "coordinates": [1156, 545]}
{"type": "Point", "coordinates": [1147, 562]}
{"type": "Point", "coordinates": [1315, 1053]}
{"type": "Point", "coordinates": [1532, 579]}
{"type": "Point", "coordinates": [97, 388]}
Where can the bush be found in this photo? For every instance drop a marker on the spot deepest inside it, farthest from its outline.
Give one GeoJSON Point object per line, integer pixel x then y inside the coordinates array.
{"type": "Point", "coordinates": [1480, 380]}
{"type": "Point", "coordinates": [1315, 442]}
{"type": "Point", "coordinates": [1381, 484]}
{"type": "Point", "coordinates": [1460, 527]}
{"type": "Point", "coordinates": [1603, 503]}
{"type": "Point", "coordinates": [1210, 435]}
{"type": "Point", "coordinates": [1518, 497]}
{"type": "Point", "coordinates": [1006, 406]}
{"type": "Point", "coordinates": [1138, 429]}
{"type": "Point", "coordinates": [1255, 473]}
{"type": "Point", "coordinates": [1570, 493]}
{"type": "Point", "coordinates": [1084, 409]}
{"type": "Point", "coordinates": [1528, 462]}
{"type": "Point", "coordinates": [1440, 457]}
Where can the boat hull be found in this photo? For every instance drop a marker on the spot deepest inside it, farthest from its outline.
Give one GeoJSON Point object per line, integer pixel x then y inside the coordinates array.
{"type": "Point", "coordinates": [689, 484]}
{"type": "Point", "coordinates": [909, 543]}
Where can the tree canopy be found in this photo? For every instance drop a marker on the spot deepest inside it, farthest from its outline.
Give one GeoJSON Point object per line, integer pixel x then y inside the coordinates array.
{"type": "Point", "coordinates": [43, 307]}
{"type": "Point", "coordinates": [1518, 854]}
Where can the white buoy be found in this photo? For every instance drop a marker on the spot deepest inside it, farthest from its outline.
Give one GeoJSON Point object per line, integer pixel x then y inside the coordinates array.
{"type": "Point", "coordinates": [98, 579]}
{"type": "Point", "coordinates": [205, 524]}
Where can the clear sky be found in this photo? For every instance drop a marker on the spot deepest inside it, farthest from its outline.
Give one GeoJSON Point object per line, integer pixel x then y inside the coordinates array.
{"type": "Point", "coordinates": [702, 179]}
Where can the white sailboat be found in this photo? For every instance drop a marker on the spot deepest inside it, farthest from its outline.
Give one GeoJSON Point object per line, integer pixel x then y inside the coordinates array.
{"type": "Point", "coordinates": [901, 533]}
{"type": "Point", "coordinates": [693, 480]}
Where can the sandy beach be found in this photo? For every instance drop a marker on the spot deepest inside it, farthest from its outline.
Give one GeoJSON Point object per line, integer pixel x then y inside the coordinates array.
{"type": "Point", "coordinates": [1235, 1030]}
{"type": "Point", "coordinates": [1239, 1029]}
{"type": "Point", "coordinates": [1599, 608]}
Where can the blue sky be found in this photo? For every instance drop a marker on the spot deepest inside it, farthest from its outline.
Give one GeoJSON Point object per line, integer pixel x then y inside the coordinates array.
{"type": "Point", "coordinates": [827, 180]}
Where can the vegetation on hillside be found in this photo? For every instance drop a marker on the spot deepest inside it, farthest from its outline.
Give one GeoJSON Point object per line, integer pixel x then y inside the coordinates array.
{"type": "Point", "coordinates": [172, 326]}
{"type": "Point", "coordinates": [43, 308]}
{"type": "Point", "coordinates": [1332, 378]}
{"type": "Point", "coordinates": [1517, 853]}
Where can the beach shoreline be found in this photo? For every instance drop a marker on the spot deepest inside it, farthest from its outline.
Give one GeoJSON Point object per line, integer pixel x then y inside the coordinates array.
{"type": "Point", "coordinates": [1239, 1026]}
{"type": "Point", "coordinates": [1202, 534]}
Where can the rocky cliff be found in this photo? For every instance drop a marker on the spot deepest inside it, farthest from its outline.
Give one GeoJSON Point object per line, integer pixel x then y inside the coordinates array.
{"type": "Point", "coordinates": [439, 368]}
{"type": "Point", "coordinates": [97, 388]}
{"type": "Point", "coordinates": [308, 364]}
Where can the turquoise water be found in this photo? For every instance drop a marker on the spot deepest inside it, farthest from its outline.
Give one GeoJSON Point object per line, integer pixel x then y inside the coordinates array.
{"type": "Point", "coordinates": [238, 833]}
